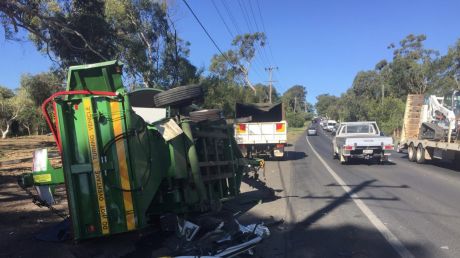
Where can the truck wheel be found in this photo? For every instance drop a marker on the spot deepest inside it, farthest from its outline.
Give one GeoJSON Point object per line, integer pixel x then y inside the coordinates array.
{"type": "Point", "coordinates": [411, 152]}
{"type": "Point", "coordinates": [383, 160]}
{"type": "Point", "coordinates": [420, 154]}
{"type": "Point", "coordinates": [179, 96]}
{"type": "Point", "coordinates": [205, 114]}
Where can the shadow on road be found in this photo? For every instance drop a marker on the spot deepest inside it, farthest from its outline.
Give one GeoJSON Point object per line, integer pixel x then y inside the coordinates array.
{"type": "Point", "coordinates": [447, 164]}
{"type": "Point", "coordinates": [294, 155]}
{"type": "Point", "coordinates": [368, 162]}
{"type": "Point", "coordinates": [305, 238]}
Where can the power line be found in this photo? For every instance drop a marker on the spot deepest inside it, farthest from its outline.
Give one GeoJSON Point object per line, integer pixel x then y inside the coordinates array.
{"type": "Point", "coordinates": [223, 20]}
{"type": "Point", "coordinates": [248, 21]}
{"type": "Point", "coordinates": [243, 69]}
{"type": "Point", "coordinates": [206, 31]}
{"type": "Point", "coordinates": [232, 18]}
{"type": "Point", "coordinates": [245, 16]}
{"type": "Point", "coordinates": [265, 30]}
{"type": "Point", "coordinates": [254, 17]}
{"type": "Point", "coordinates": [257, 62]}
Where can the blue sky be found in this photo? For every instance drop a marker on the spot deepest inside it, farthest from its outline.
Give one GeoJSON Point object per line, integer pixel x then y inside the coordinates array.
{"type": "Point", "coordinates": [318, 44]}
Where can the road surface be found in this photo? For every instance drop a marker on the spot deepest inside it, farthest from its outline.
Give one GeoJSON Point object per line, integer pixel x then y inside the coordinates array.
{"type": "Point", "coordinates": [401, 209]}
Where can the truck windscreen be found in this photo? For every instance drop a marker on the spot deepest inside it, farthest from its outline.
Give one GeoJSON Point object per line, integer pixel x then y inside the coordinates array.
{"type": "Point", "coordinates": [364, 128]}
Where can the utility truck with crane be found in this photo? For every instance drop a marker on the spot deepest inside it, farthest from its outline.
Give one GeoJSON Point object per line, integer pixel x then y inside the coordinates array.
{"type": "Point", "coordinates": [431, 128]}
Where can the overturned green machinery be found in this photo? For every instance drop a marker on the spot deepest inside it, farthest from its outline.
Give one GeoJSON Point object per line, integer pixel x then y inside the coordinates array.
{"type": "Point", "coordinates": [128, 158]}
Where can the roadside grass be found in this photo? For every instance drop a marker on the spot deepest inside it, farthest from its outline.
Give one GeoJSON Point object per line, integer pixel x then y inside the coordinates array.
{"type": "Point", "coordinates": [294, 133]}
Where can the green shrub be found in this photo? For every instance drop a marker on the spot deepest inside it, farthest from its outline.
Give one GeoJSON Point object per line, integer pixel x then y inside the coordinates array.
{"type": "Point", "coordinates": [295, 119]}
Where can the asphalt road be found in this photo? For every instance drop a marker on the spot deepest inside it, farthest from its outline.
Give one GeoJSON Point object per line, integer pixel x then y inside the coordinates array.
{"type": "Point", "coordinates": [362, 209]}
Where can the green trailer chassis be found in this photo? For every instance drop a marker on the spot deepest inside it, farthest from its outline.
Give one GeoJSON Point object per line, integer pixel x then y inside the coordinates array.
{"type": "Point", "coordinates": [120, 172]}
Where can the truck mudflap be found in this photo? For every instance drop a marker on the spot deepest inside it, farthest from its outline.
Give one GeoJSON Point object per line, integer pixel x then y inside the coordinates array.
{"type": "Point", "coordinates": [278, 151]}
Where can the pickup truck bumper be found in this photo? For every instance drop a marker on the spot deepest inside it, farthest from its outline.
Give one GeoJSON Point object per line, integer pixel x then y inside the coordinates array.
{"type": "Point", "coordinates": [366, 153]}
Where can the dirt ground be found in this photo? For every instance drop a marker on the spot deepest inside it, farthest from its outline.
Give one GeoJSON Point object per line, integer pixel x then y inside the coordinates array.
{"type": "Point", "coordinates": [21, 219]}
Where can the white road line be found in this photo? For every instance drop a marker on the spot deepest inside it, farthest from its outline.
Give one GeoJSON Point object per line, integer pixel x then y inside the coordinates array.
{"type": "Point", "coordinates": [390, 237]}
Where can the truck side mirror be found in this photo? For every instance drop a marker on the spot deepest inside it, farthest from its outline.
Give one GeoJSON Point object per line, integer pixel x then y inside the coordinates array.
{"type": "Point", "coordinates": [333, 133]}
{"type": "Point", "coordinates": [382, 134]}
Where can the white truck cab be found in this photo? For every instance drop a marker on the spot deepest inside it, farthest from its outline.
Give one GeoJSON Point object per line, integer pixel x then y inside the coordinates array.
{"type": "Point", "coordinates": [330, 125]}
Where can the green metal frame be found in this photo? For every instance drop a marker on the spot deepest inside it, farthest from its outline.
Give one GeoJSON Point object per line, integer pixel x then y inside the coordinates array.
{"type": "Point", "coordinates": [120, 173]}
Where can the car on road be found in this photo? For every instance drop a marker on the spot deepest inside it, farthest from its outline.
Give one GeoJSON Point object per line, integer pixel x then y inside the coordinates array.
{"type": "Point", "coordinates": [312, 131]}
{"type": "Point", "coordinates": [361, 140]}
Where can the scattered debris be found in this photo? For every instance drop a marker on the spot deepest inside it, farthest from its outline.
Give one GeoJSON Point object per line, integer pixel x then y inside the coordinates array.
{"type": "Point", "coordinates": [218, 236]}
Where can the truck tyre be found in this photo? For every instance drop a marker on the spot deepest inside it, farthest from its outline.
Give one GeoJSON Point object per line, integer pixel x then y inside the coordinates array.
{"type": "Point", "coordinates": [420, 154]}
{"type": "Point", "coordinates": [205, 114]}
{"type": "Point", "coordinates": [179, 96]}
{"type": "Point", "coordinates": [344, 160]}
{"type": "Point", "coordinates": [383, 160]}
{"type": "Point", "coordinates": [411, 152]}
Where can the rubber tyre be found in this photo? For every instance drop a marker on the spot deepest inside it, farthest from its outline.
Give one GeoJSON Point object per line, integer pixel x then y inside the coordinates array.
{"type": "Point", "coordinates": [420, 154]}
{"type": "Point", "coordinates": [179, 96]}
{"type": "Point", "coordinates": [411, 152]}
{"type": "Point", "coordinates": [335, 155]}
{"type": "Point", "coordinates": [206, 114]}
{"type": "Point", "coordinates": [384, 160]}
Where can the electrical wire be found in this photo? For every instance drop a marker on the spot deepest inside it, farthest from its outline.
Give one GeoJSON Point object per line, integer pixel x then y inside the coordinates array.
{"type": "Point", "coordinates": [264, 50]}
{"type": "Point", "coordinates": [210, 37]}
{"type": "Point", "coordinates": [258, 60]}
{"type": "Point", "coordinates": [206, 31]}
{"type": "Point", "coordinates": [265, 31]}
{"type": "Point", "coordinates": [223, 20]}
{"type": "Point", "coordinates": [232, 18]}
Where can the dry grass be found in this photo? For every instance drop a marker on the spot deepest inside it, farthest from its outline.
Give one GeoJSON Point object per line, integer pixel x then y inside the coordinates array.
{"type": "Point", "coordinates": [16, 153]}
{"type": "Point", "coordinates": [23, 147]}
{"type": "Point", "coordinates": [294, 133]}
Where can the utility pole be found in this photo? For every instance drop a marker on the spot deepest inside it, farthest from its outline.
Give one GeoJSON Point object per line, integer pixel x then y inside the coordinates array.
{"type": "Point", "coordinates": [270, 71]}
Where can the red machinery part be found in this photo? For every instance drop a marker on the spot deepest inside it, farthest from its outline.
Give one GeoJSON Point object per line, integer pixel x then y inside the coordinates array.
{"type": "Point", "coordinates": [53, 129]}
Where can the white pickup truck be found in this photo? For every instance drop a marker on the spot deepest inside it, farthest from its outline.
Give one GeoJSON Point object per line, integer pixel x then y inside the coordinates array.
{"type": "Point", "coordinates": [260, 129]}
{"type": "Point", "coordinates": [361, 140]}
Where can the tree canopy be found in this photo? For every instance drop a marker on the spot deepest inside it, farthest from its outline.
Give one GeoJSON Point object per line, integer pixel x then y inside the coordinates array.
{"type": "Point", "coordinates": [140, 33]}
{"type": "Point", "coordinates": [380, 94]}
